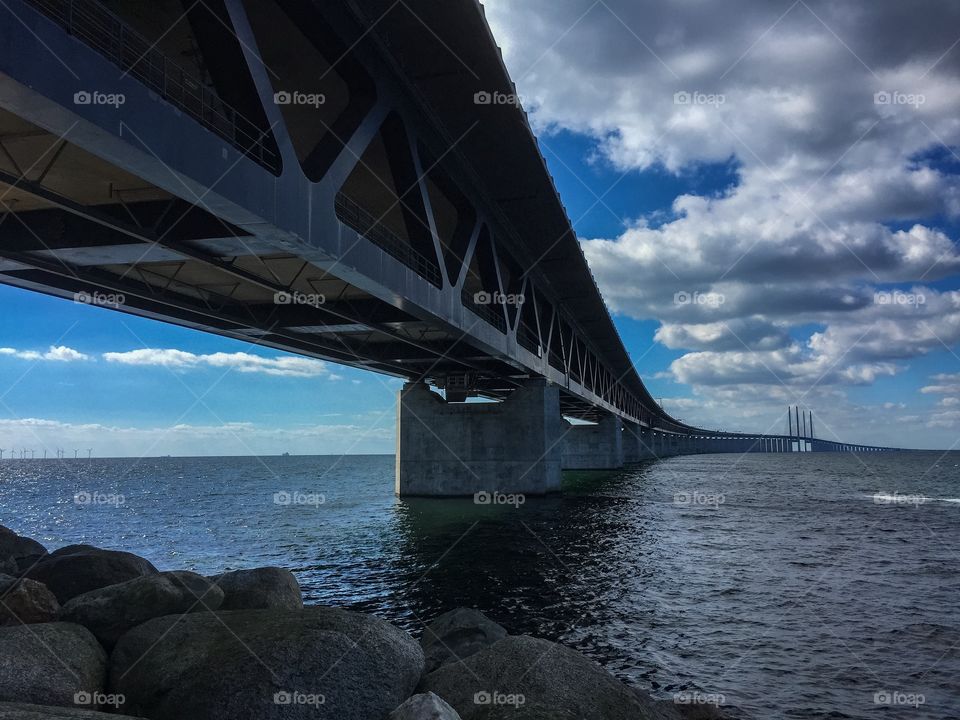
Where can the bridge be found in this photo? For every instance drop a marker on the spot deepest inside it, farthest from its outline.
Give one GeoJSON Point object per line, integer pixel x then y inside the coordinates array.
{"type": "Point", "coordinates": [350, 181]}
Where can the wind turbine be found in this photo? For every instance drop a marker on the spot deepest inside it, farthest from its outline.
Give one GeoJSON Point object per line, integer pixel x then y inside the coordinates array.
{"type": "Point", "coordinates": [75, 454]}
{"type": "Point", "coordinates": [1, 453]}
{"type": "Point", "coordinates": [89, 450]}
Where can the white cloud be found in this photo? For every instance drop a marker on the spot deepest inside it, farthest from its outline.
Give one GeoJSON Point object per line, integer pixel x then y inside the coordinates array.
{"type": "Point", "coordinates": [58, 353]}
{"type": "Point", "coordinates": [854, 346]}
{"type": "Point", "coordinates": [367, 434]}
{"type": "Point", "coordinates": [285, 366]}
{"type": "Point", "coordinates": [946, 384]}
{"type": "Point", "coordinates": [947, 414]}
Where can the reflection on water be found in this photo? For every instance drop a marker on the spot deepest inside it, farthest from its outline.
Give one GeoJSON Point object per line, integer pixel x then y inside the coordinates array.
{"type": "Point", "coordinates": [795, 585]}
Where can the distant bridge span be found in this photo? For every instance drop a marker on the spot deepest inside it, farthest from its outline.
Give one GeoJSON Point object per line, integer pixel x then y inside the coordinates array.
{"type": "Point", "coordinates": [350, 181]}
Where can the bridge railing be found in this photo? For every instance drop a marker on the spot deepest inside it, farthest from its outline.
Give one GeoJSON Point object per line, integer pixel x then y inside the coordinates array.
{"type": "Point", "coordinates": [351, 214]}
{"type": "Point", "coordinates": [528, 339]}
{"type": "Point", "coordinates": [105, 32]}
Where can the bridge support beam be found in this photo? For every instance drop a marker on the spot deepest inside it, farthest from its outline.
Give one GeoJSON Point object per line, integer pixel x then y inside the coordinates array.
{"type": "Point", "coordinates": [594, 447]}
{"type": "Point", "coordinates": [457, 449]}
{"type": "Point", "coordinates": [637, 443]}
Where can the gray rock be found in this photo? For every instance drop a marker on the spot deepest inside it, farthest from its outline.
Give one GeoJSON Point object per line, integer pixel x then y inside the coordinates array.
{"type": "Point", "coordinates": [458, 634]}
{"type": "Point", "coordinates": [9, 566]}
{"type": "Point", "coordinates": [262, 664]}
{"type": "Point", "coordinates": [76, 569]}
{"type": "Point", "coordinates": [18, 546]}
{"type": "Point", "coordinates": [263, 588]}
{"type": "Point", "coordinates": [523, 678]}
{"type": "Point", "coordinates": [22, 711]}
{"type": "Point", "coordinates": [425, 706]}
{"type": "Point", "coordinates": [110, 611]}
{"type": "Point", "coordinates": [24, 601]}
{"type": "Point", "coordinates": [50, 663]}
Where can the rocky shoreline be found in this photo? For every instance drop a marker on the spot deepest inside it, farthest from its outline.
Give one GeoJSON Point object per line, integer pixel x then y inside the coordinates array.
{"type": "Point", "coordinates": [89, 633]}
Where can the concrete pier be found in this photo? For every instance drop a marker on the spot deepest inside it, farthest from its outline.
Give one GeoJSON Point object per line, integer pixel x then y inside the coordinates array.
{"type": "Point", "coordinates": [458, 449]}
{"type": "Point", "coordinates": [594, 447]}
{"type": "Point", "coordinates": [637, 443]}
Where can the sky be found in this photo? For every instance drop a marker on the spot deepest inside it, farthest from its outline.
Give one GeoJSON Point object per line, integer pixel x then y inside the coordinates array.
{"type": "Point", "coordinates": [768, 194]}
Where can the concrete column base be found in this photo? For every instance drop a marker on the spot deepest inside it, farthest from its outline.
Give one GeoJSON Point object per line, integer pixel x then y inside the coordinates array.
{"type": "Point", "coordinates": [594, 447]}
{"type": "Point", "coordinates": [637, 443]}
{"type": "Point", "coordinates": [460, 449]}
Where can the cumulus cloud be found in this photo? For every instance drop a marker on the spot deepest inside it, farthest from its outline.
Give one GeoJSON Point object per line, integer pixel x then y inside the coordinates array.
{"type": "Point", "coordinates": [58, 353]}
{"type": "Point", "coordinates": [946, 384]}
{"type": "Point", "coordinates": [839, 119]}
{"type": "Point", "coordinates": [285, 366]}
{"type": "Point", "coordinates": [947, 413]}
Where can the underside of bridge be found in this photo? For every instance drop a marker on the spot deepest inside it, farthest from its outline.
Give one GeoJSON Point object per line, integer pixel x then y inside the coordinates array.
{"type": "Point", "coordinates": [348, 181]}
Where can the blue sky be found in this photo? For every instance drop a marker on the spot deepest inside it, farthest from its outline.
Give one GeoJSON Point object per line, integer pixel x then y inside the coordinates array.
{"type": "Point", "coordinates": [796, 202]}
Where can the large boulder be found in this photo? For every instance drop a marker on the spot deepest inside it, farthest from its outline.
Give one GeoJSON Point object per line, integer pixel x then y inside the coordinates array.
{"type": "Point", "coordinates": [261, 664]}
{"type": "Point", "coordinates": [110, 611]}
{"type": "Point", "coordinates": [24, 601]}
{"type": "Point", "coordinates": [23, 711]}
{"type": "Point", "coordinates": [458, 634]}
{"type": "Point", "coordinates": [50, 663]}
{"type": "Point", "coordinates": [523, 677]}
{"type": "Point", "coordinates": [25, 563]}
{"type": "Point", "coordinates": [18, 547]}
{"type": "Point", "coordinates": [425, 706]}
{"type": "Point", "coordinates": [265, 588]}
{"type": "Point", "coordinates": [76, 569]}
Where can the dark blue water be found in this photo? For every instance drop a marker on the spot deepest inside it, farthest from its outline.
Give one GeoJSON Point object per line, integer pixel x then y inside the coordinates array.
{"type": "Point", "coordinates": [784, 583]}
